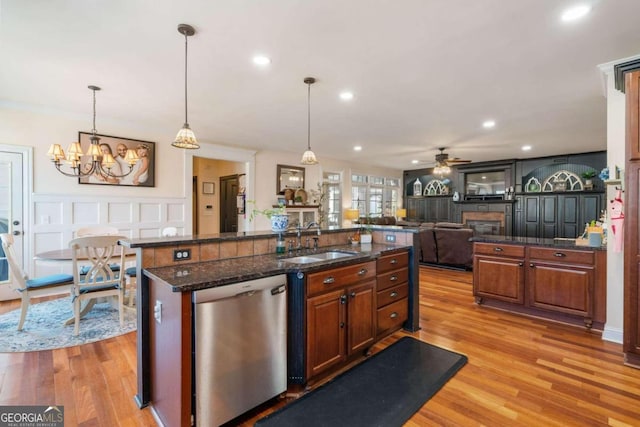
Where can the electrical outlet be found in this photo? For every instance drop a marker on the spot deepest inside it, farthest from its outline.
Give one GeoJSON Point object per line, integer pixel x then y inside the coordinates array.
{"type": "Point", "coordinates": [181, 254]}
{"type": "Point", "coordinates": [391, 238]}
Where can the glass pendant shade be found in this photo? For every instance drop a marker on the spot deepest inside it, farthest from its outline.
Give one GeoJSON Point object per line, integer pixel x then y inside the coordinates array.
{"type": "Point", "coordinates": [309, 158]}
{"type": "Point", "coordinates": [186, 138]}
{"type": "Point", "coordinates": [131, 157]}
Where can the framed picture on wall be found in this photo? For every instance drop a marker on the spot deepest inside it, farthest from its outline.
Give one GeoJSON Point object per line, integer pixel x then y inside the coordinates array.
{"type": "Point", "coordinates": [208, 188]}
{"type": "Point", "coordinates": [141, 174]}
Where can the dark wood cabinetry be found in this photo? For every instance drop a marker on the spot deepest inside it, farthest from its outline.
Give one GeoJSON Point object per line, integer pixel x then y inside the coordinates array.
{"type": "Point", "coordinates": [556, 215]}
{"type": "Point", "coordinates": [558, 283]}
{"type": "Point", "coordinates": [429, 208]}
{"type": "Point", "coordinates": [498, 272]}
{"type": "Point", "coordinates": [632, 216]}
{"type": "Point", "coordinates": [562, 280]}
{"type": "Point", "coordinates": [340, 315]}
{"type": "Point", "coordinates": [392, 293]}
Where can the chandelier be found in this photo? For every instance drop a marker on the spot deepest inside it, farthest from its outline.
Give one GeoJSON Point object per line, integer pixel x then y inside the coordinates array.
{"type": "Point", "coordinates": [441, 169]}
{"type": "Point", "coordinates": [101, 163]}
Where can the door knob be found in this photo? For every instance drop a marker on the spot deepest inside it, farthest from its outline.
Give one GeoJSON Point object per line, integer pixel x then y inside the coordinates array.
{"type": "Point", "coordinates": [16, 222]}
{"type": "Point", "coordinates": [16, 232]}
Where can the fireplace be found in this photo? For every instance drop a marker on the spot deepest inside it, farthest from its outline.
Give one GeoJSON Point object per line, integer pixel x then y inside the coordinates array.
{"type": "Point", "coordinates": [484, 222]}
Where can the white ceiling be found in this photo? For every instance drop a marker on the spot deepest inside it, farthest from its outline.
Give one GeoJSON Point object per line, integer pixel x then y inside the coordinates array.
{"type": "Point", "coordinates": [425, 73]}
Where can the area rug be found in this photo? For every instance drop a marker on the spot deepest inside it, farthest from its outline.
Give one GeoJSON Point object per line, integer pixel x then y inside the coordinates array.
{"type": "Point", "coordinates": [385, 390]}
{"type": "Point", "coordinates": [44, 327]}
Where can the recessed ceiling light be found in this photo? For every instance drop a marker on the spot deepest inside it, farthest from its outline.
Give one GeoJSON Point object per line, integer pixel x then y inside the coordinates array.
{"type": "Point", "coordinates": [415, 162]}
{"type": "Point", "coordinates": [489, 124]}
{"type": "Point", "coordinates": [357, 148]}
{"type": "Point", "coordinates": [346, 96]}
{"type": "Point", "coordinates": [575, 12]}
{"type": "Point", "coordinates": [526, 147]}
{"type": "Point", "coordinates": [261, 60]}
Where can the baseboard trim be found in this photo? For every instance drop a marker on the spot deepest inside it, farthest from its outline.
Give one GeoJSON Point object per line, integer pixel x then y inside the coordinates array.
{"type": "Point", "coordinates": [613, 335]}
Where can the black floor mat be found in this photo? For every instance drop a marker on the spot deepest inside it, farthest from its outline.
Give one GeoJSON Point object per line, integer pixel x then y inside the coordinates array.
{"type": "Point", "coordinates": [385, 390]}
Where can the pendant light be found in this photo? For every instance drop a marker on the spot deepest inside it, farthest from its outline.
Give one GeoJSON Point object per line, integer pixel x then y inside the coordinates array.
{"type": "Point", "coordinates": [100, 164]}
{"type": "Point", "coordinates": [185, 137]}
{"type": "Point", "coordinates": [309, 158]}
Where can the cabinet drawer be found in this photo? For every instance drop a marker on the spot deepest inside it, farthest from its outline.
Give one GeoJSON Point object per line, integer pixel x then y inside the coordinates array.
{"type": "Point", "coordinates": [562, 255]}
{"type": "Point", "coordinates": [498, 249]}
{"type": "Point", "coordinates": [392, 316]}
{"type": "Point", "coordinates": [390, 295]}
{"type": "Point", "coordinates": [393, 262]}
{"type": "Point", "coordinates": [336, 278]}
{"type": "Point", "coordinates": [392, 278]}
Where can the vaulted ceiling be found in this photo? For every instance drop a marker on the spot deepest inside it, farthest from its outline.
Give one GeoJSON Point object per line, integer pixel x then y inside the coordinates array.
{"type": "Point", "coordinates": [424, 73]}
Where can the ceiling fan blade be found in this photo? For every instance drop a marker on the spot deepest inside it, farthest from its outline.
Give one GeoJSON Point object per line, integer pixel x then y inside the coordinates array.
{"type": "Point", "coordinates": [456, 160]}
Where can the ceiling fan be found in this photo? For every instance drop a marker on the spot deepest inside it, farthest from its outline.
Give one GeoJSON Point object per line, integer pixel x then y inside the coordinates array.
{"type": "Point", "coordinates": [442, 159]}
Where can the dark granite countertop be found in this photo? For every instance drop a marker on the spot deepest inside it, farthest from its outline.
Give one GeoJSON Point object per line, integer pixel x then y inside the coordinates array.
{"type": "Point", "coordinates": [209, 274]}
{"type": "Point", "coordinates": [150, 242]}
{"type": "Point", "coordinates": [534, 241]}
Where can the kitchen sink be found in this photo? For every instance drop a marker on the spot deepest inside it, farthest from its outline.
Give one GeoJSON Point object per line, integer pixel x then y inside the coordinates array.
{"type": "Point", "coordinates": [323, 256]}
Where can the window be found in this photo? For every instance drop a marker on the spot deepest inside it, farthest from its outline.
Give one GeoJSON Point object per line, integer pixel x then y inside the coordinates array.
{"type": "Point", "coordinates": [331, 187]}
{"type": "Point", "coordinates": [374, 196]}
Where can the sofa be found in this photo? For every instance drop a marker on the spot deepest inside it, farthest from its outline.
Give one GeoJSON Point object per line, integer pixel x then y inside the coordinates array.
{"type": "Point", "coordinates": [447, 244]}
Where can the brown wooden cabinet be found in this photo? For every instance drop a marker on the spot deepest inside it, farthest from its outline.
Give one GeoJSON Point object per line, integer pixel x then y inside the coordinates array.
{"type": "Point", "coordinates": [498, 272]}
{"type": "Point", "coordinates": [631, 345]}
{"type": "Point", "coordinates": [562, 284]}
{"type": "Point", "coordinates": [562, 280]}
{"type": "Point", "coordinates": [340, 315]}
{"type": "Point", "coordinates": [392, 292]}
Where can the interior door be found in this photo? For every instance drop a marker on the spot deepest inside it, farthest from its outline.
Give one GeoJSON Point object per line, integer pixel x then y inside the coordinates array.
{"type": "Point", "coordinates": [11, 189]}
{"type": "Point", "coordinates": [229, 186]}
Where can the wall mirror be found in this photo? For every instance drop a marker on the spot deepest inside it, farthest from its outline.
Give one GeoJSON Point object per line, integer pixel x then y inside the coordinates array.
{"type": "Point", "coordinates": [289, 177]}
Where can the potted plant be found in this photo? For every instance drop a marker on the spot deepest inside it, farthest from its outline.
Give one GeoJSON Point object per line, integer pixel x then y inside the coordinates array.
{"type": "Point", "coordinates": [588, 176]}
{"type": "Point", "coordinates": [277, 214]}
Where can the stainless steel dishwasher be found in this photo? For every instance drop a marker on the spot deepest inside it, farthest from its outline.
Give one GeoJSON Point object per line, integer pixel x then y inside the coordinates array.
{"type": "Point", "coordinates": [240, 347]}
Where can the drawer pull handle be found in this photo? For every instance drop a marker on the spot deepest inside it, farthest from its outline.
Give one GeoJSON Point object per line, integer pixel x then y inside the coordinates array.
{"type": "Point", "coordinates": [393, 294]}
{"type": "Point", "coordinates": [520, 264]}
{"type": "Point", "coordinates": [498, 249]}
{"type": "Point", "coordinates": [393, 261]}
{"type": "Point", "coordinates": [393, 278]}
{"type": "Point", "coordinates": [532, 265]}
{"type": "Point", "coordinates": [393, 315]}
{"type": "Point", "coordinates": [362, 272]}
{"type": "Point", "coordinates": [559, 254]}
{"type": "Point", "coordinates": [352, 295]}
{"type": "Point", "coordinates": [329, 280]}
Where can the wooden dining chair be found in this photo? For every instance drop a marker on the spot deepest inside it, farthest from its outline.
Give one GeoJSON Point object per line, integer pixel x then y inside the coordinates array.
{"type": "Point", "coordinates": [99, 252]}
{"type": "Point", "coordinates": [96, 231]}
{"type": "Point", "coordinates": [29, 288]}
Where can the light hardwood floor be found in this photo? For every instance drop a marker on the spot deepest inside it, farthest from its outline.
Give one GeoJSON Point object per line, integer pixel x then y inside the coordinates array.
{"type": "Point", "coordinates": [521, 371]}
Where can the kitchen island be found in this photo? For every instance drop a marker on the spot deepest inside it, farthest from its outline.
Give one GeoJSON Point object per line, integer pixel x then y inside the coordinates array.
{"type": "Point", "coordinates": [171, 269]}
{"type": "Point", "coordinates": [550, 278]}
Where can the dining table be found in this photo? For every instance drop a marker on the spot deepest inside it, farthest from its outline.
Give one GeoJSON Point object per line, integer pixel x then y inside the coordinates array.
{"type": "Point", "coordinates": [66, 255]}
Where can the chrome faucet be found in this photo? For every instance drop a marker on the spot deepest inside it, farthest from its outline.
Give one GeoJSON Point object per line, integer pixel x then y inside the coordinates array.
{"type": "Point", "coordinates": [299, 229]}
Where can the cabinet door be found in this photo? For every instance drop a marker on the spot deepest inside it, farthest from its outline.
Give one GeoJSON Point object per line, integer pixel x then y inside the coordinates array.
{"type": "Point", "coordinates": [326, 329]}
{"type": "Point", "coordinates": [416, 209]}
{"type": "Point", "coordinates": [563, 288]}
{"type": "Point", "coordinates": [498, 278]}
{"type": "Point", "coordinates": [530, 216]}
{"type": "Point", "coordinates": [360, 317]}
{"type": "Point", "coordinates": [569, 216]}
{"type": "Point", "coordinates": [590, 207]}
{"type": "Point", "coordinates": [443, 211]}
{"type": "Point", "coordinates": [549, 217]}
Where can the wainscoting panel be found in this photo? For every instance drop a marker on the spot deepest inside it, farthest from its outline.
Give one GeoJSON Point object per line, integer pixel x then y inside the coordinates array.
{"type": "Point", "coordinates": [57, 217]}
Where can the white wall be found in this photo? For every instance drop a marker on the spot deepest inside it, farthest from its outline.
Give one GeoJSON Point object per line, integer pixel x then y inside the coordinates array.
{"type": "Point", "coordinates": [60, 205]}
{"type": "Point", "coordinates": [613, 330]}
